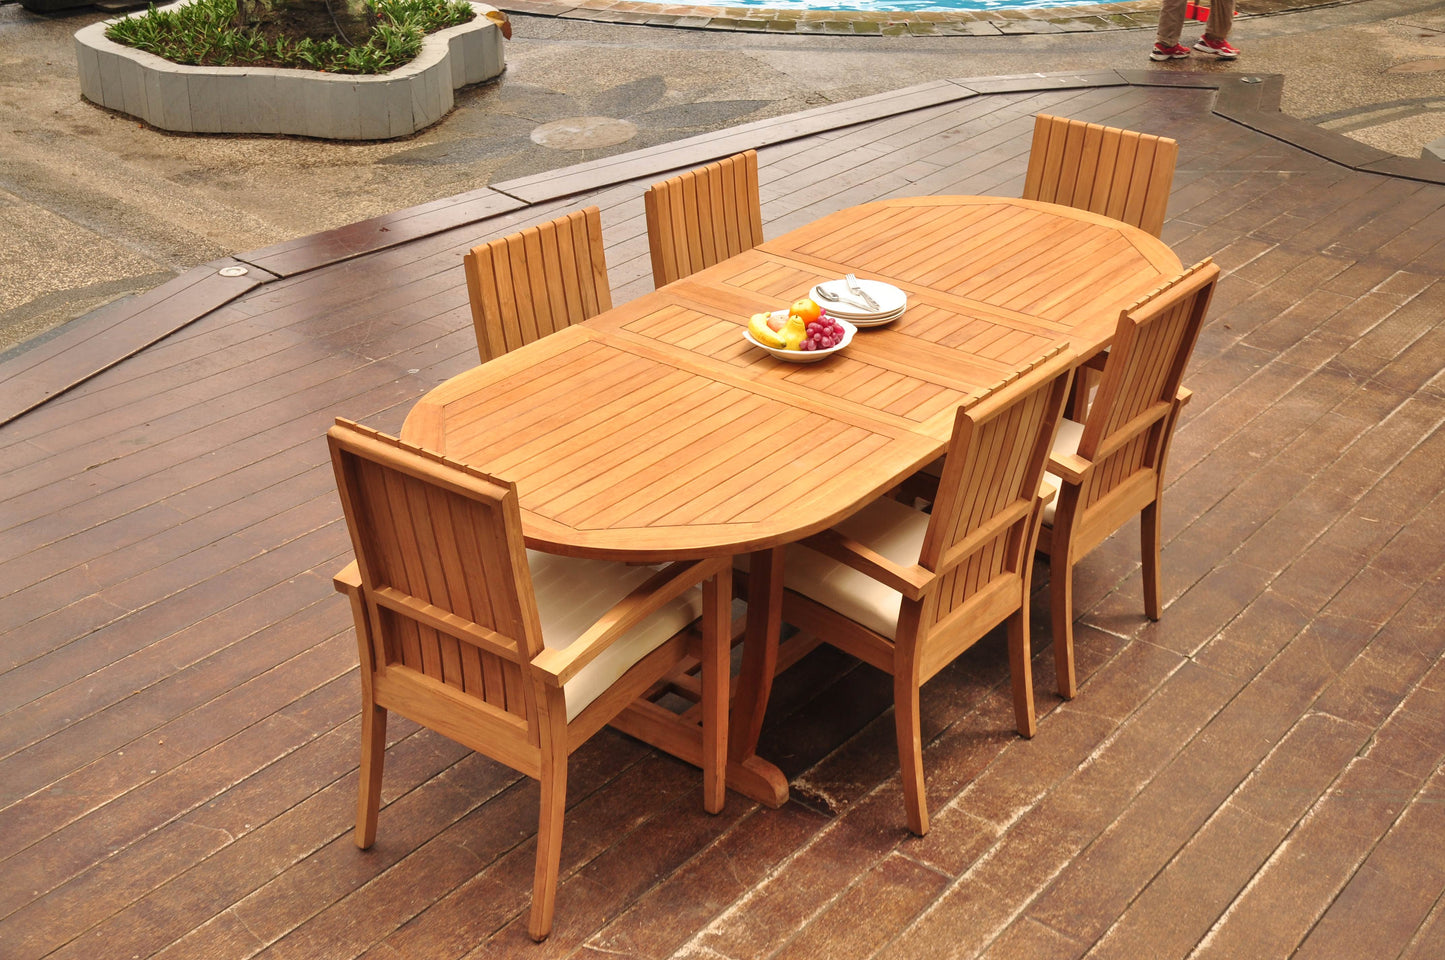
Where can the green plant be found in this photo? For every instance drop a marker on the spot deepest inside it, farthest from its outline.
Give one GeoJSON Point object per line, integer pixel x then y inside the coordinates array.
{"type": "Point", "coordinates": [204, 33]}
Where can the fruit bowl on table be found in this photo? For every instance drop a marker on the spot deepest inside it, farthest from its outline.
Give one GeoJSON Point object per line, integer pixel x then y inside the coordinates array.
{"type": "Point", "coordinates": [807, 356]}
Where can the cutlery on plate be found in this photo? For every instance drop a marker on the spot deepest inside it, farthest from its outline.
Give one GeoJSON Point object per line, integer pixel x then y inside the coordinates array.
{"type": "Point", "coordinates": [856, 288]}
{"type": "Point", "coordinates": [832, 297]}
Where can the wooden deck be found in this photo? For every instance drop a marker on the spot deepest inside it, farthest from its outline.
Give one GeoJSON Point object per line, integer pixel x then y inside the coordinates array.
{"type": "Point", "coordinates": [1259, 774]}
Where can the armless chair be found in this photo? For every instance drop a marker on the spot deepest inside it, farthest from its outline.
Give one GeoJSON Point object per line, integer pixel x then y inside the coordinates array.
{"type": "Point", "coordinates": [1111, 466]}
{"type": "Point", "coordinates": [1121, 174]}
{"type": "Point", "coordinates": [704, 216]}
{"type": "Point", "coordinates": [516, 654]}
{"type": "Point", "coordinates": [537, 281]}
{"type": "Point", "coordinates": [908, 592]}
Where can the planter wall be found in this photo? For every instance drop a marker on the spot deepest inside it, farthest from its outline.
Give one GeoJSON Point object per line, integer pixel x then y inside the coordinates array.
{"type": "Point", "coordinates": [306, 103]}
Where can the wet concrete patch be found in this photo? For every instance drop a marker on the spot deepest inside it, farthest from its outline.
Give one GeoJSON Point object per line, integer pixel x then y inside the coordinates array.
{"type": "Point", "coordinates": [1418, 66]}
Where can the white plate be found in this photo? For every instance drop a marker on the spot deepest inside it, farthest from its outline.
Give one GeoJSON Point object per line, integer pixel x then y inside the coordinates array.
{"type": "Point", "coordinates": [806, 356]}
{"type": "Point", "coordinates": [889, 298]}
{"type": "Point", "coordinates": [874, 321]}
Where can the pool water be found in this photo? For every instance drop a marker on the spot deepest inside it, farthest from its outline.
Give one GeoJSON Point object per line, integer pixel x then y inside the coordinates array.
{"type": "Point", "coordinates": [909, 6]}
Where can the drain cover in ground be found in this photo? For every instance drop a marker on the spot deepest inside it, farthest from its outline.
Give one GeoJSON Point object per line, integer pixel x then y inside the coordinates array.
{"type": "Point", "coordinates": [583, 133]}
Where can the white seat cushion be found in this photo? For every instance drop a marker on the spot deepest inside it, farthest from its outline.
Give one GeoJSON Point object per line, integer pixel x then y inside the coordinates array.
{"type": "Point", "coordinates": [888, 528]}
{"type": "Point", "coordinates": [573, 594]}
{"type": "Point", "coordinates": [1066, 443]}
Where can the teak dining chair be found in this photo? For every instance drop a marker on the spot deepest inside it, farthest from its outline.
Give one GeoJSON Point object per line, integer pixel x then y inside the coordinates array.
{"type": "Point", "coordinates": [537, 281]}
{"type": "Point", "coordinates": [1111, 466]}
{"type": "Point", "coordinates": [699, 218]}
{"type": "Point", "coordinates": [908, 592]}
{"type": "Point", "coordinates": [516, 654]}
{"type": "Point", "coordinates": [1119, 173]}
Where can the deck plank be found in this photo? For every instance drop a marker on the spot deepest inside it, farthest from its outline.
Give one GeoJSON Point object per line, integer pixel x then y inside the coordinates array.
{"type": "Point", "coordinates": [1259, 771]}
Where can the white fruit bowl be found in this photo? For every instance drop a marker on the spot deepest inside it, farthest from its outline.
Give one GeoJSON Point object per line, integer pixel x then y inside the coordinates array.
{"type": "Point", "coordinates": [807, 356]}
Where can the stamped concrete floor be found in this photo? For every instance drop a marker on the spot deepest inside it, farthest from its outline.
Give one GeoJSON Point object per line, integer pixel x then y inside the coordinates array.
{"type": "Point", "coordinates": [96, 206]}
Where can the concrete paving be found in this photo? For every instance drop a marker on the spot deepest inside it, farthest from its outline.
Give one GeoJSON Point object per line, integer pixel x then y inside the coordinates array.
{"type": "Point", "coordinates": [97, 206]}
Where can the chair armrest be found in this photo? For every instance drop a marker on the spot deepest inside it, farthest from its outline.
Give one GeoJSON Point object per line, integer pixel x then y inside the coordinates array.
{"type": "Point", "coordinates": [559, 666]}
{"type": "Point", "coordinates": [910, 581]}
{"type": "Point", "coordinates": [1183, 396]}
{"type": "Point", "coordinates": [1069, 467]}
{"type": "Point", "coordinates": [347, 579]}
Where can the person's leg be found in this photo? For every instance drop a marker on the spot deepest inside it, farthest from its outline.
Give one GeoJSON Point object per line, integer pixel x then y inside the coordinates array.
{"type": "Point", "coordinates": [1171, 22]}
{"type": "Point", "coordinates": [1221, 20]}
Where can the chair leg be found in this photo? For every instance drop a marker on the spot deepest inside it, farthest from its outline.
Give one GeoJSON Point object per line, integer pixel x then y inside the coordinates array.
{"type": "Point", "coordinates": [716, 643]}
{"type": "Point", "coordinates": [1061, 606]}
{"type": "Point", "coordinates": [549, 822]}
{"type": "Point", "coordinates": [1076, 407]}
{"type": "Point", "coordinates": [373, 758]}
{"type": "Point", "coordinates": [910, 748]}
{"type": "Point", "coordinates": [1021, 670]}
{"type": "Point", "coordinates": [1149, 554]}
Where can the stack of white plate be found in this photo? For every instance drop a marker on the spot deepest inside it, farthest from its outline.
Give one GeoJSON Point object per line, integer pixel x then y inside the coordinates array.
{"type": "Point", "coordinates": [891, 302]}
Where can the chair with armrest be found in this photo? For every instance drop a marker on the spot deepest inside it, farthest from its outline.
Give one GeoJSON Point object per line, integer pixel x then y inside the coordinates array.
{"type": "Point", "coordinates": [516, 654]}
{"type": "Point", "coordinates": [704, 216]}
{"type": "Point", "coordinates": [908, 591]}
{"type": "Point", "coordinates": [1111, 466]}
{"type": "Point", "coordinates": [1119, 173]}
{"type": "Point", "coordinates": [528, 284]}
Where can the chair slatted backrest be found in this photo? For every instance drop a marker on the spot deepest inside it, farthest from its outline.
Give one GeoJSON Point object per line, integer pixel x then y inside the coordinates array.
{"type": "Point", "coordinates": [535, 282]}
{"type": "Point", "coordinates": [979, 532]}
{"type": "Point", "coordinates": [444, 573]}
{"type": "Point", "coordinates": [1119, 173]}
{"type": "Point", "coordinates": [1125, 432]}
{"type": "Point", "coordinates": [704, 216]}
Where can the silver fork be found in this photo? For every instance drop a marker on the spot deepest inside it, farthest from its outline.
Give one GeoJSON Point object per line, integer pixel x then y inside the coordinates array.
{"type": "Point", "coordinates": [857, 289]}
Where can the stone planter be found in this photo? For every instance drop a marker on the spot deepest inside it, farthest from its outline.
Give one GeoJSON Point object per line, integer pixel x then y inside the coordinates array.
{"type": "Point", "coordinates": [305, 103]}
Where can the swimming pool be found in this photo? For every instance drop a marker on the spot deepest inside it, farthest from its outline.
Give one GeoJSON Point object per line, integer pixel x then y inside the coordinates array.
{"type": "Point", "coordinates": [909, 6]}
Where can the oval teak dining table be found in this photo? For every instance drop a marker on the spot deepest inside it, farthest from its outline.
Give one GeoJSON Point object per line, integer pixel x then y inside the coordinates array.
{"type": "Point", "coordinates": [655, 431]}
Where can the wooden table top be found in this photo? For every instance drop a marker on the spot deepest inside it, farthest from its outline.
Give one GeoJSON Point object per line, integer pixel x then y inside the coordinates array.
{"type": "Point", "coordinates": [655, 431]}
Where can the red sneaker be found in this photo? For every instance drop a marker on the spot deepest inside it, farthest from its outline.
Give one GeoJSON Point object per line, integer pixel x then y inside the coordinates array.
{"type": "Point", "coordinates": [1220, 48]}
{"type": "Point", "coordinates": [1177, 52]}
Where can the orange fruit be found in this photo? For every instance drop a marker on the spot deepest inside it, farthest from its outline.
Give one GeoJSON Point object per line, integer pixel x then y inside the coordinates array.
{"type": "Point", "coordinates": [807, 309]}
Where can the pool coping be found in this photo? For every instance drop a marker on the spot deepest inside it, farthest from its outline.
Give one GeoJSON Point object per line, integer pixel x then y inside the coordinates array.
{"type": "Point", "coordinates": [1094, 17]}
